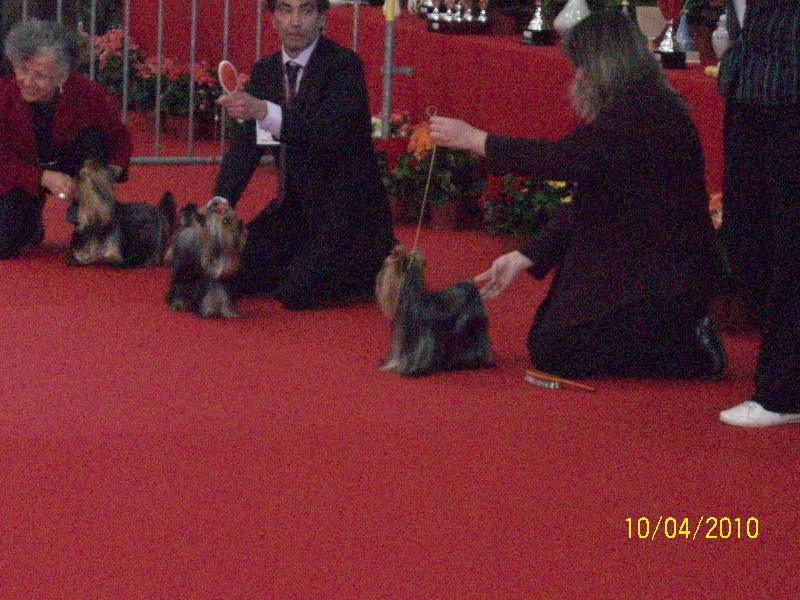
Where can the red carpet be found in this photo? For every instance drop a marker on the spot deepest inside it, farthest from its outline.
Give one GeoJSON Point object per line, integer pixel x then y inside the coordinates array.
{"type": "Point", "coordinates": [148, 454]}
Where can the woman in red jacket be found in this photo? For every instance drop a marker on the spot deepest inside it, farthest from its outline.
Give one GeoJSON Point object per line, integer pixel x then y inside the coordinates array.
{"type": "Point", "coordinates": [51, 120]}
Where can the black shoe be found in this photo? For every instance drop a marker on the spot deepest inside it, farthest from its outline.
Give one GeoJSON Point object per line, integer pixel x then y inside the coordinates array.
{"type": "Point", "coordinates": [712, 349]}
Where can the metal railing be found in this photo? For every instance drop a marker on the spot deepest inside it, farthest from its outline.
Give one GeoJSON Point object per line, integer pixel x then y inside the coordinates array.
{"type": "Point", "coordinates": [31, 8]}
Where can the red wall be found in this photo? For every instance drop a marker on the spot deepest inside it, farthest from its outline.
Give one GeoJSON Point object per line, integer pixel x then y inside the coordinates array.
{"type": "Point", "coordinates": [177, 30]}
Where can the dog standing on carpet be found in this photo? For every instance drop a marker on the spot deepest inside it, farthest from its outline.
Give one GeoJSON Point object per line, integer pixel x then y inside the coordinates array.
{"type": "Point", "coordinates": [121, 234]}
{"type": "Point", "coordinates": [431, 330]}
{"type": "Point", "coordinates": [205, 255]}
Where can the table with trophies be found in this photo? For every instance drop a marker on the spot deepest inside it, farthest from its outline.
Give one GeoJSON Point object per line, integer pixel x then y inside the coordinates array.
{"type": "Point", "coordinates": [489, 76]}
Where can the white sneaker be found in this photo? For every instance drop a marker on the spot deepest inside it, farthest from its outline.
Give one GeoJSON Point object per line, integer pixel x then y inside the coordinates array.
{"type": "Point", "coordinates": [751, 414]}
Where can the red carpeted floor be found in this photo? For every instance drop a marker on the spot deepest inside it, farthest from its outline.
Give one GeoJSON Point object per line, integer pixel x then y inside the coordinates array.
{"type": "Point", "coordinates": [148, 454]}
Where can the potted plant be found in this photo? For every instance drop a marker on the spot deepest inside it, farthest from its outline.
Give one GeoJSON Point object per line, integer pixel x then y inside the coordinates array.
{"type": "Point", "coordinates": [522, 206]}
{"type": "Point", "coordinates": [110, 62]}
{"type": "Point", "coordinates": [399, 125]}
{"type": "Point", "coordinates": [451, 187]}
{"type": "Point", "coordinates": [388, 151]}
{"type": "Point", "coordinates": [178, 93]}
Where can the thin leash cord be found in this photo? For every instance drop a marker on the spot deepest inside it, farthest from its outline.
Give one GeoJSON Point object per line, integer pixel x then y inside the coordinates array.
{"type": "Point", "coordinates": [424, 198]}
{"type": "Point", "coordinates": [430, 111]}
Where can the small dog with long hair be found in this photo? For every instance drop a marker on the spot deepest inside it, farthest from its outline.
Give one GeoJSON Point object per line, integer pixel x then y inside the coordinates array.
{"type": "Point", "coordinates": [121, 234]}
{"type": "Point", "coordinates": [205, 255]}
{"type": "Point", "coordinates": [431, 330]}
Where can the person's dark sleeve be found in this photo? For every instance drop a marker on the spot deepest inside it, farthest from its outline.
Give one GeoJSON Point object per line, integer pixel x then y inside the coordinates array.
{"type": "Point", "coordinates": [244, 154]}
{"type": "Point", "coordinates": [547, 248]}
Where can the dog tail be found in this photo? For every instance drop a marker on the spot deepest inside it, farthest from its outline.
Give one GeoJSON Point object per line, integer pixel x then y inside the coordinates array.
{"type": "Point", "coordinates": [168, 209]}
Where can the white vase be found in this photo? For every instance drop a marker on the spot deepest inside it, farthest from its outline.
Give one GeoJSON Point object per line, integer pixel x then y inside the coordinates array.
{"type": "Point", "coordinates": [720, 40]}
{"type": "Point", "coordinates": [574, 11]}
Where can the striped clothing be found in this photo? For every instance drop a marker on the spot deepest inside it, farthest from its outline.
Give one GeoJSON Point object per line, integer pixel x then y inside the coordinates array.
{"type": "Point", "coordinates": [762, 65]}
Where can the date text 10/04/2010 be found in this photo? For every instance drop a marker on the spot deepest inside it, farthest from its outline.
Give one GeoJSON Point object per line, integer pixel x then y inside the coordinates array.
{"type": "Point", "coordinates": [709, 528]}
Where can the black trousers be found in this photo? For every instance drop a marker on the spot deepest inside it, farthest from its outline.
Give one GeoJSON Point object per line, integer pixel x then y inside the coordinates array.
{"type": "Point", "coordinates": [647, 339]}
{"type": "Point", "coordinates": [20, 221]}
{"type": "Point", "coordinates": [276, 260]}
{"type": "Point", "coordinates": [761, 233]}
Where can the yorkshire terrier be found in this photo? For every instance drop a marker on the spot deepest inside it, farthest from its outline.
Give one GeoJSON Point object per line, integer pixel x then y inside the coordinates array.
{"type": "Point", "coordinates": [121, 234]}
{"type": "Point", "coordinates": [431, 330]}
{"type": "Point", "coordinates": [205, 255]}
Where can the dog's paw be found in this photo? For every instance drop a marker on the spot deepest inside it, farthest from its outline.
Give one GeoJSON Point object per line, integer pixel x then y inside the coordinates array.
{"type": "Point", "coordinates": [178, 304]}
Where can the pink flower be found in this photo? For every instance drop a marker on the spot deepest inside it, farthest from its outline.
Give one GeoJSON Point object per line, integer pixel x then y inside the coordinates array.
{"type": "Point", "coordinates": [113, 41]}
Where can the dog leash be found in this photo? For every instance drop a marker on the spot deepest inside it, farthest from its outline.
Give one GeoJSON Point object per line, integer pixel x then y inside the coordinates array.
{"type": "Point", "coordinates": [430, 112]}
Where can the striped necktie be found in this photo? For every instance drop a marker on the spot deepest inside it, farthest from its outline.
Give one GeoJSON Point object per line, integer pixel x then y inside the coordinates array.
{"type": "Point", "coordinates": [292, 71]}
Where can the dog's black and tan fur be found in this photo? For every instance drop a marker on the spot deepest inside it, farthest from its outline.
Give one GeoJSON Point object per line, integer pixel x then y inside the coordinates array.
{"type": "Point", "coordinates": [205, 255]}
{"type": "Point", "coordinates": [431, 330]}
{"type": "Point", "coordinates": [120, 234]}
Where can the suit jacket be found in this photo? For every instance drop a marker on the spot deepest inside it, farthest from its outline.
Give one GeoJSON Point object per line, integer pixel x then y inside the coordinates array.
{"type": "Point", "coordinates": [82, 104]}
{"type": "Point", "coordinates": [332, 178]}
{"type": "Point", "coordinates": [638, 226]}
{"type": "Point", "coordinates": [762, 65]}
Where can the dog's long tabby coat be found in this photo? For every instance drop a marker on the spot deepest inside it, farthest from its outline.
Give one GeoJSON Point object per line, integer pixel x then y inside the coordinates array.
{"type": "Point", "coordinates": [205, 256]}
{"type": "Point", "coordinates": [121, 234]}
{"type": "Point", "coordinates": [431, 330]}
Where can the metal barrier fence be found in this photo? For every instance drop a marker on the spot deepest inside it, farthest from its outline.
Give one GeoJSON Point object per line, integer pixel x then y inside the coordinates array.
{"type": "Point", "coordinates": [31, 8]}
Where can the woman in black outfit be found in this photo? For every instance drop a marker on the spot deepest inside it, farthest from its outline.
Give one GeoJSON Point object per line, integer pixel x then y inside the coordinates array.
{"type": "Point", "coordinates": [634, 253]}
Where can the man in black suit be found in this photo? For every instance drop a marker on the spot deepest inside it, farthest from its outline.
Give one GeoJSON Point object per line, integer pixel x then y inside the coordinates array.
{"type": "Point", "coordinates": [324, 238]}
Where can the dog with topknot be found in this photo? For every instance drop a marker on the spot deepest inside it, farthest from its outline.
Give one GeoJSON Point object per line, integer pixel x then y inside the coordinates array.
{"type": "Point", "coordinates": [205, 255]}
{"type": "Point", "coordinates": [120, 234]}
{"type": "Point", "coordinates": [431, 330]}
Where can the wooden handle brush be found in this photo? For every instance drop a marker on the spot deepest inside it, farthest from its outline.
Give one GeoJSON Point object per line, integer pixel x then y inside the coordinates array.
{"type": "Point", "coordinates": [552, 382]}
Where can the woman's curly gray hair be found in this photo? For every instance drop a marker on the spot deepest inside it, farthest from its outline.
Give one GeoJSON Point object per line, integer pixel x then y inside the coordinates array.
{"type": "Point", "coordinates": [33, 36]}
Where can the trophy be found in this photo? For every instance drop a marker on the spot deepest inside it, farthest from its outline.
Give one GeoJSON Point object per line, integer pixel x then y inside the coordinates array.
{"type": "Point", "coordinates": [427, 7]}
{"type": "Point", "coordinates": [449, 15]}
{"type": "Point", "coordinates": [468, 13]}
{"type": "Point", "coordinates": [457, 16]}
{"type": "Point", "coordinates": [537, 32]}
{"type": "Point", "coordinates": [671, 55]}
{"type": "Point", "coordinates": [483, 4]}
{"type": "Point", "coordinates": [457, 12]}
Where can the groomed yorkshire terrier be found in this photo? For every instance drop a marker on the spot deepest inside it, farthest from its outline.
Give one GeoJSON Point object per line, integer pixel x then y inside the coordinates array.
{"type": "Point", "coordinates": [205, 255]}
{"type": "Point", "coordinates": [121, 234]}
{"type": "Point", "coordinates": [431, 330]}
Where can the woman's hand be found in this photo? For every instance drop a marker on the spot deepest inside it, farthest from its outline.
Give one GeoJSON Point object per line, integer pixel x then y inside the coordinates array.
{"type": "Point", "coordinates": [454, 133]}
{"type": "Point", "coordinates": [59, 184]}
{"type": "Point", "coordinates": [243, 106]}
{"type": "Point", "coordinates": [503, 271]}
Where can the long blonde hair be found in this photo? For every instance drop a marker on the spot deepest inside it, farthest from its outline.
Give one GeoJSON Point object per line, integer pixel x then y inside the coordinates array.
{"type": "Point", "coordinates": [610, 55]}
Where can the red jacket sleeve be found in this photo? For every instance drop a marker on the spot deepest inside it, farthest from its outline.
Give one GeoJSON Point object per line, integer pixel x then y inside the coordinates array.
{"type": "Point", "coordinates": [83, 103]}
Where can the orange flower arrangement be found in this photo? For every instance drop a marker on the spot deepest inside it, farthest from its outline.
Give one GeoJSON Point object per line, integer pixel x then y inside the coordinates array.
{"type": "Point", "coordinates": [456, 175]}
{"type": "Point", "coordinates": [420, 143]}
